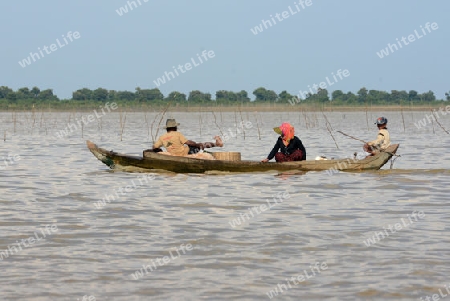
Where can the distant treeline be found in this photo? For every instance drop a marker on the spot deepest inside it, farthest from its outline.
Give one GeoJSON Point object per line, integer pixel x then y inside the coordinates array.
{"type": "Point", "coordinates": [26, 96]}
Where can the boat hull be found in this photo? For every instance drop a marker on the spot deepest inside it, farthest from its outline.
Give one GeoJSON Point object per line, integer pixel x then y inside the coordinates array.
{"type": "Point", "coordinates": [155, 161]}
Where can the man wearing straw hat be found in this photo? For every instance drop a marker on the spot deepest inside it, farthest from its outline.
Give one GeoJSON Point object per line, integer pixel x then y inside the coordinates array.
{"type": "Point", "coordinates": [177, 145]}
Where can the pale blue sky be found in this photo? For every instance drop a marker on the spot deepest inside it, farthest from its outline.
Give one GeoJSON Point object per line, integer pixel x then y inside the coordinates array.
{"type": "Point", "coordinates": [123, 52]}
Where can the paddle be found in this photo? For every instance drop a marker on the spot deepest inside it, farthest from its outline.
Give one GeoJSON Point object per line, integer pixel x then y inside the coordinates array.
{"type": "Point", "coordinates": [351, 136]}
{"type": "Point", "coordinates": [374, 146]}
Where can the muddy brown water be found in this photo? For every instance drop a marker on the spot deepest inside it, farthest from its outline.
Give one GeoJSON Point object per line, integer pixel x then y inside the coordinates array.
{"type": "Point", "coordinates": [73, 229]}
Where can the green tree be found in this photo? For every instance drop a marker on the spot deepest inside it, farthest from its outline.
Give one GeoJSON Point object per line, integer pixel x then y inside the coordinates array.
{"type": "Point", "coordinates": [413, 95]}
{"type": "Point", "coordinates": [285, 97]}
{"type": "Point", "coordinates": [385, 97]}
{"type": "Point", "coordinates": [351, 98]}
{"type": "Point", "coordinates": [35, 92]}
{"type": "Point", "coordinates": [320, 96]}
{"type": "Point", "coordinates": [398, 96]}
{"type": "Point", "coordinates": [447, 95]}
{"type": "Point", "coordinates": [176, 97]}
{"type": "Point", "coordinates": [362, 95]}
{"type": "Point", "coordinates": [261, 94]}
{"type": "Point", "coordinates": [11, 97]}
{"type": "Point", "coordinates": [126, 95]}
{"type": "Point", "coordinates": [100, 94]}
{"type": "Point", "coordinates": [4, 91]}
{"type": "Point", "coordinates": [148, 94]}
{"type": "Point", "coordinates": [428, 96]}
{"type": "Point", "coordinates": [47, 95]}
{"type": "Point", "coordinates": [338, 96]}
{"type": "Point", "coordinates": [243, 96]}
{"type": "Point", "coordinates": [154, 94]}
{"type": "Point", "coordinates": [230, 96]}
{"type": "Point", "coordinates": [223, 95]}
{"type": "Point", "coordinates": [23, 93]}
{"type": "Point", "coordinates": [112, 95]}
{"type": "Point", "coordinates": [198, 96]}
{"type": "Point", "coordinates": [82, 94]}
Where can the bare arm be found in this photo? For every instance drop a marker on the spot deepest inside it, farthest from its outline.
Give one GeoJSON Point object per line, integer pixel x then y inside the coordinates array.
{"type": "Point", "coordinates": [194, 144]}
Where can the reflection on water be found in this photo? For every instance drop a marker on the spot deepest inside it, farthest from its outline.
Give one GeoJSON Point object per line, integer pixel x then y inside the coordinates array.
{"type": "Point", "coordinates": [327, 218]}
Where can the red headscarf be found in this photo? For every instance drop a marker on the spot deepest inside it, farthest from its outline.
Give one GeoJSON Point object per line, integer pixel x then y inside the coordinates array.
{"type": "Point", "coordinates": [288, 131]}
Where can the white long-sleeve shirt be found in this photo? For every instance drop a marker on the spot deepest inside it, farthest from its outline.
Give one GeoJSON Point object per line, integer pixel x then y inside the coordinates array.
{"type": "Point", "coordinates": [383, 140]}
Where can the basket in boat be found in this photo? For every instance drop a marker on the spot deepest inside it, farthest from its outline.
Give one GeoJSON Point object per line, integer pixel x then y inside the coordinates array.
{"type": "Point", "coordinates": [227, 156]}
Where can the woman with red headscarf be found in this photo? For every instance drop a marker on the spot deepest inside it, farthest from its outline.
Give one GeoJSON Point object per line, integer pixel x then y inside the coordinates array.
{"type": "Point", "coordinates": [288, 146]}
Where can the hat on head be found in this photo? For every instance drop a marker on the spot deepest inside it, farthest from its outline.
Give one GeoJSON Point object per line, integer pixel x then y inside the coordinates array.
{"type": "Point", "coordinates": [277, 130]}
{"type": "Point", "coordinates": [171, 123]}
{"type": "Point", "coordinates": [381, 120]}
{"type": "Point", "coordinates": [286, 130]}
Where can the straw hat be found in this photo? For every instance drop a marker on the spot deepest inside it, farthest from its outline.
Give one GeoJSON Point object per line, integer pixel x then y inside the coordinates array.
{"type": "Point", "coordinates": [277, 130]}
{"type": "Point", "coordinates": [171, 123]}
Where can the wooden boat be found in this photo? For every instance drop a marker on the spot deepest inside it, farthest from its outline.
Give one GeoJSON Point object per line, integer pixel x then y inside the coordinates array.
{"type": "Point", "coordinates": [155, 161]}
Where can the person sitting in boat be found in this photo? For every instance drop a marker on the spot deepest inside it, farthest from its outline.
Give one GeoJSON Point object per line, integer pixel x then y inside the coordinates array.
{"type": "Point", "coordinates": [177, 145]}
{"type": "Point", "coordinates": [288, 146]}
{"type": "Point", "coordinates": [383, 139]}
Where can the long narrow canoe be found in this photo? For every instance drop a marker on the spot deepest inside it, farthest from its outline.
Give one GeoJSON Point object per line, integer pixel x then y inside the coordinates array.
{"type": "Point", "coordinates": [155, 161]}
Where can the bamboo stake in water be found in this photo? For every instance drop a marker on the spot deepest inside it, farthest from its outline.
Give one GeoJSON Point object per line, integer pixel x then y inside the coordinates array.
{"type": "Point", "coordinates": [215, 121]}
{"type": "Point", "coordinates": [148, 125]}
{"type": "Point", "coordinates": [15, 120]}
{"type": "Point", "coordinates": [367, 118]}
{"type": "Point", "coordinates": [257, 125]}
{"type": "Point", "coordinates": [242, 122]}
{"type": "Point", "coordinates": [235, 123]}
{"type": "Point", "coordinates": [329, 129]}
{"type": "Point", "coordinates": [403, 119]}
{"type": "Point", "coordinates": [200, 123]}
{"type": "Point", "coordinates": [432, 113]}
{"type": "Point", "coordinates": [160, 120]}
{"type": "Point", "coordinates": [122, 123]}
